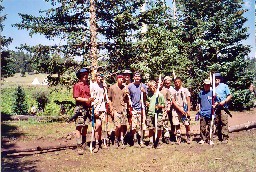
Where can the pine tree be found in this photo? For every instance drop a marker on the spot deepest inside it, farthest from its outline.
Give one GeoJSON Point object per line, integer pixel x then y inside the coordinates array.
{"type": "Point", "coordinates": [213, 31]}
{"type": "Point", "coordinates": [20, 104]}
{"type": "Point", "coordinates": [7, 63]}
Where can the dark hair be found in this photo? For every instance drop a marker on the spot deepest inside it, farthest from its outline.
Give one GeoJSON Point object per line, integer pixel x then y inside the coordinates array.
{"type": "Point", "coordinates": [177, 79]}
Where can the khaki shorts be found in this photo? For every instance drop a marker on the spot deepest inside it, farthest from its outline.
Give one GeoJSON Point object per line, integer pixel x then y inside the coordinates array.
{"type": "Point", "coordinates": [150, 122]}
{"type": "Point", "coordinates": [136, 120]}
{"type": "Point", "coordinates": [177, 119]}
{"type": "Point", "coordinates": [120, 118]}
{"type": "Point", "coordinates": [166, 121]}
{"type": "Point", "coordinates": [83, 118]}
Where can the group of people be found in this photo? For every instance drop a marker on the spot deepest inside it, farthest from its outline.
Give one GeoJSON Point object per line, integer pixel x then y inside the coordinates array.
{"type": "Point", "coordinates": [147, 113]}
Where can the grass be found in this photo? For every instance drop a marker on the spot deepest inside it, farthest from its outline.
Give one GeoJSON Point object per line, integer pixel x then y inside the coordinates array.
{"type": "Point", "coordinates": [23, 81]}
{"type": "Point", "coordinates": [238, 155]}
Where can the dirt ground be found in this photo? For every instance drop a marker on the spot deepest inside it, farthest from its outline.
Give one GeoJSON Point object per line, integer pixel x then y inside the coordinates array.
{"type": "Point", "coordinates": [62, 156]}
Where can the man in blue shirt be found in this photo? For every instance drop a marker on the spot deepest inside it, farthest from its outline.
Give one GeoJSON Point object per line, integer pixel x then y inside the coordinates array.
{"type": "Point", "coordinates": [135, 89]}
{"type": "Point", "coordinates": [224, 96]}
{"type": "Point", "coordinates": [205, 110]}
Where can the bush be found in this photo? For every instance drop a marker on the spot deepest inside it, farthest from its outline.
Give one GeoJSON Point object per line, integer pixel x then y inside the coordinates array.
{"type": "Point", "coordinates": [241, 100]}
{"type": "Point", "coordinates": [42, 99]}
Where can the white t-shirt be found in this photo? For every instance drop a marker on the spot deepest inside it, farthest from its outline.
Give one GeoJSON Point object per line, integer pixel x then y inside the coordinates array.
{"type": "Point", "coordinates": [180, 95]}
{"type": "Point", "coordinates": [98, 92]}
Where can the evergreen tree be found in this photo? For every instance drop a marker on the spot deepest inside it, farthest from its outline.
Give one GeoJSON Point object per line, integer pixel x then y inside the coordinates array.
{"type": "Point", "coordinates": [20, 104]}
{"type": "Point", "coordinates": [7, 65]}
{"type": "Point", "coordinates": [157, 50]}
{"type": "Point", "coordinates": [212, 33]}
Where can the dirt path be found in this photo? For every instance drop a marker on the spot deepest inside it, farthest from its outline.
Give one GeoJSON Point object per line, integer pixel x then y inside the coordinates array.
{"type": "Point", "coordinates": [20, 144]}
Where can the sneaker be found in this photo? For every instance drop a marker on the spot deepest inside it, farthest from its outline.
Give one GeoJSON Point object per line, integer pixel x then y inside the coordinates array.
{"type": "Point", "coordinates": [136, 145]}
{"type": "Point", "coordinates": [167, 140]}
{"type": "Point", "coordinates": [80, 150]}
{"type": "Point", "coordinates": [201, 142]}
{"type": "Point", "coordinates": [211, 142]}
{"type": "Point", "coordinates": [97, 148]}
{"type": "Point", "coordinates": [224, 142]}
{"type": "Point", "coordinates": [116, 144]}
{"type": "Point", "coordinates": [123, 146]}
{"type": "Point", "coordinates": [188, 140]}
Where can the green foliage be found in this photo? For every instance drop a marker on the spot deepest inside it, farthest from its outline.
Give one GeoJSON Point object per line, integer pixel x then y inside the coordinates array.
{"type": "Point", "coordinates": [242, 99]}
{"type": "Point", "coordinates": [52, 94]}
{"type": "Point", "coordinates": [7, 68]}
{"type": "Point", "coordinates": [20, 104]}
{"type": "Point", "coordinates": [205, 37]}
{"type": "Point", "coordinates": [212, 31]}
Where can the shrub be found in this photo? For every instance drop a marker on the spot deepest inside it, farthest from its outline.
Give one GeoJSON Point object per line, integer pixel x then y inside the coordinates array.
{"type": "Point", "coordinates": [41, 98]}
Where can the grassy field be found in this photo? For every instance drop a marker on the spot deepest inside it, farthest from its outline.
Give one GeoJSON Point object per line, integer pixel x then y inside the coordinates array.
{"type": "Point", "coordinates": [23, 81]}
{"type": "Point", "coordinates": [238, 155]}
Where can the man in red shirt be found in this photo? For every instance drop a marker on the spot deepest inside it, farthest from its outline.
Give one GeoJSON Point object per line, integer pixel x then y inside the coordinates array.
{"type": "Point", "coordinates": [82, 96]}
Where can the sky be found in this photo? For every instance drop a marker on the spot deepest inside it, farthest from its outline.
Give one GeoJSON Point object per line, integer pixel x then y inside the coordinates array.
{"type": "Point", "coordinates": [32, 7]}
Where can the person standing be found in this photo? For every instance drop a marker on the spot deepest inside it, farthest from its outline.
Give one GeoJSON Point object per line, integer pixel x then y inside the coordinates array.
{"type": "Point", "coordinates": [126, 81]}
{"type": "Point", "coordinates": [82, 96]}
{"type": "Point", "coordinates": [99, 95]}
{"type": "Point", "coordinates": [181, 109]}
{"type": "Point", "coordinates": [205, 109]}
{"type": "Point", "coordinates": [166, 112]}
{"type": "Point", "coordinates": [117, 99]}
{"type": "Point", "coordinates": [224, 95]}
{"type": "Point", "coordinates": [168, 85]}
{"type": "Point", "coordinates": [135, 88]}
{"type": "Point", "coordinates": [156, 105]}
{"type": "Point", "coordinates": [127, 77]}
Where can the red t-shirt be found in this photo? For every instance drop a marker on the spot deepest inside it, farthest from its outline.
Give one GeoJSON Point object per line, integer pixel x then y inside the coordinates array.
{"type": "Point", "coordinates": [81, 89]}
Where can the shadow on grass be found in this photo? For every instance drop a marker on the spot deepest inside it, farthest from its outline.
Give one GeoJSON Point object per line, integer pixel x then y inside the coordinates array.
{"type": "Point", "coordinates": [10, 133]}
{"type": "Point", "coordinates": [16, 164]}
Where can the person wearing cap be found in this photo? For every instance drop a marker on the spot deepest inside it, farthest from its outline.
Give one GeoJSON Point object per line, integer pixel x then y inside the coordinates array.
{"type": "Point", "coordinates": [98, 91]}
{"type": "Point", "coordinates": [205, 111]}
{"type": "Point", "coordinates": [117, 99]}
{"type": "Point", "coordinates": [181, 109]}
{"type": "Point", "coordinates": [224, 95]}
{"type": "Point", "coordinates": [127, 76]}
{"type": "Point", "coordinates": [82, 96]}
{"type": "Point", "coordinates": [135, 89]}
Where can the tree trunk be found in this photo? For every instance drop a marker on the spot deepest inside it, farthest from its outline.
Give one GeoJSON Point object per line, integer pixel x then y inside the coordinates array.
{"type": "Point", "coordinates": [93, 31]}
{"type": "Point", "coordinates": [245, 126]}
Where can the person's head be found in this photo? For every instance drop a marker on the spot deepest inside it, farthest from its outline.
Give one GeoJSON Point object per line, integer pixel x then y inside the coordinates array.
{"type": "Point", "coordinates": [167, 81]}
{"type": "Point", "coordinates": [152, 85]}
{"type": "Point", "coordinates": [99, 77]}
{"type": "Point", "coordinates": [218, 78]}
{"type": "Point", "coordinates": [207, 85]}
{"type": "Point", "coordinates": [137, 77]}
{"type": "Point", "coordinates": [120, 79]}
{"type": "Point", "coordinates": [178, 82]}
{"type": "Point", "coordinates": [161, 83]}
{"type": "Point", "coordinates": [127, 75]}
{"type": "Point", "coordinates": [82, 74]}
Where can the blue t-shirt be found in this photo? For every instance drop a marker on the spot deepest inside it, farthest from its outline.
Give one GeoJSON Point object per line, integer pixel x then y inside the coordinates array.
{"type": "Point", "coordinates": [135, 94]}
{"type": "Point", "coordinates": [205, 101]}
{"type": "Point", "coordinates": [222, 91]}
